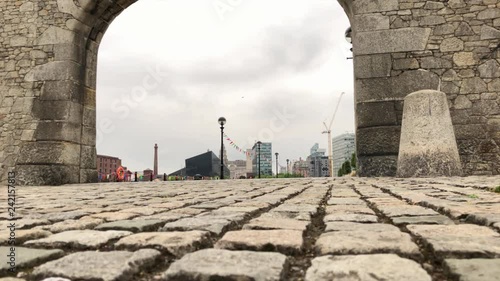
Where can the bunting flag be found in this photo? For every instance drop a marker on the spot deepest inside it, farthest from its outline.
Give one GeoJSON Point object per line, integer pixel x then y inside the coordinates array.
{"type": "Point", "coordinates": [242, 150]}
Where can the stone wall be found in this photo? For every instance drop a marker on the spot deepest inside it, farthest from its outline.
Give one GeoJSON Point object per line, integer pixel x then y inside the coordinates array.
{"type": "Point", "coordinates": [48, 59]}
{"type": "Point", "coordinates": [408, 45]}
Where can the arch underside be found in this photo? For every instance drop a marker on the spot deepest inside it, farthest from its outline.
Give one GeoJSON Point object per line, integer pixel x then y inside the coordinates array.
{"type": "Point", "coordinates": [49, 77]}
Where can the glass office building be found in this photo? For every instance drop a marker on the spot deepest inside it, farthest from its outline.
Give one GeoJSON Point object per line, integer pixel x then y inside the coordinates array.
{"type": "Point", "coordinates": [266, 159]}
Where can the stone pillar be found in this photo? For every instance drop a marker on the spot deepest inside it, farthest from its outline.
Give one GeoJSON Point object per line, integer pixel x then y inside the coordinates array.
{"type": "Point", "coordinates": [428, 146]}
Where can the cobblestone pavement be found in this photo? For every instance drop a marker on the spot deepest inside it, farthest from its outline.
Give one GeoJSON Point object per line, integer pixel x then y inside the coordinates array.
{"type": "Point", "coordinates": [268, 229]}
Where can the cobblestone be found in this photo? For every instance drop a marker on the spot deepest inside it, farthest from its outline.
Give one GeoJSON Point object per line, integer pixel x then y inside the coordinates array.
{"type": "Point", "coordinates": [475, 269]}
{"type": "Point", "coordinates": [80, 239]}
{"type": "Point", "coordinates": [284, 241]}
{"type": "Point", "coordinates": [365, 267]}
{"type": "Point", "coordinates": [277, 229]}
{"type": "Point", "coordinates": [108, 266]}
{"type": "Point", "coordinates": [174, 243]}
{"type": "Point", "coordinates": [213, 264]}
{"type": "Point", "coordinates": [27, 257]}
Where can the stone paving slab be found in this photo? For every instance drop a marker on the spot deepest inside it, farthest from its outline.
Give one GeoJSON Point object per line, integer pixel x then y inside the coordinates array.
{"type": "Point", "coordinates": [437, 219]}
{"type": "Point", "coordinates": [465, 239]}
{"type": "Point", "coordinates": [174, 243]}
{"type": "Point", "coordinates": [368, 227]}
{"type": "Point", "coordinates": [475, 269]}
{"type": "Point", "coordinates": [272, 223]}
{"type": "Point", "coordinates": [214, 225]}
{"type": "Point", "coordinates": [80, 224]}
{"type": "Point", "coordinates": [25, 257]}
{"type": "Point", "coordinates": [131, 225]}
{"type": "Point", "coordinates": [351, 218]}
{"type": "Point", "coordinates": [386, 267]}
{"type": "Point", "coordinates": [366, 242]}
{"type": "Point", "coordinates": [23, 235]}
{"type": "Point", "coordinates": [421, 219]}
{"type": "Point", "coordinates": [106, 266]}
{"type": "Point", "coordinates": [283, 241]}
{"type": "Point", "coordinates": [78, 239]}
{"type": "Point", "coordinates": [215, 264]}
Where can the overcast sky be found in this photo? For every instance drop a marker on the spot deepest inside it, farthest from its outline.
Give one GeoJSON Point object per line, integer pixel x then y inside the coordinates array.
{"type": "Point", "coordinates": [168, 69]}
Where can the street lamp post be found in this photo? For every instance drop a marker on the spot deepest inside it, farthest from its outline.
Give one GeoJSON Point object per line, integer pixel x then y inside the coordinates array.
{"type": "Point", "coordinates": [258, 149]}
{"type": "Point", "coordinates": [276, 163]}
{"type": "Point", "coordinates": [287, 160]}
{"type": "Point", "coordinates": [222, 121]}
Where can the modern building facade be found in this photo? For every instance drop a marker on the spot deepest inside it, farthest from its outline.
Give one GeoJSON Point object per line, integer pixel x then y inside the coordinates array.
{"type": "Point", "coordinates": [266, 159]}
{"type": "Point", "coordinates": [343, 147]}
{"type": "Point", "coordinates": [318, 162]}
{"type": "Point", "coordinates": [206, 164]}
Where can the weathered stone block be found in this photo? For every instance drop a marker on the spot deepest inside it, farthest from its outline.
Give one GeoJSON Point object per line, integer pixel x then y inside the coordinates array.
{"type": "Point", "coordinates": [62, 90]}
{"type": "Point", "coordinates": [489, 69]}
{"type": "Point", "coordinates": [370, 22]}
{"type": "Point", "coordinates": [377, 166]}
{"type": "Point", "coordinates": [377, 89]}
{"type": "Point", "coordinates": [88, 157]}
{"type": "Point", "coordinates": [488, 32]}
{"type": "Point", "coordinates": [49, 153]}
{"type": "Point", "coordinates": [58, 111]}
{"type": "Point", "coordinates": [373, 66]}
{"type": "Point", "coordinates": [432, 20]}
{"type": "Point", "coordinates": [378, 140]}
{"type": "Point", "coordinates": [372, 114]}
{"type": "Point", "coordinates": [47, 174]}
{"type": "Point", "coordinates": [432, 63]}
{"type": "Point", "coordinates": [374, 6]}
{"type": "Point", "coordinates": [391, 41]}
{"type": "Point", "coordinates": [462, 102]}
{"type": "Point", "coordinates": [474, 85]}
{"type": "Point", "coordinates": [464, 59]}
{"type": "Point", "coordinates": [89, 116]}
{"type": "Point", "coordinates": [60, 131]}
{"type": "Point", "coordinates": [488, 14]}
{"type": "Point", "coordinates": [405, 64]}
{"type": "Point", "coordinates": [56, 35]}
{"type": "Point", "coordinates": [451, 45]}
{"type": "Point", "coordinates": [55, 71]}
{"type": "Point", "coordinates": [69, 52]}
{"type": "Point", "coordinates": [428, 146]}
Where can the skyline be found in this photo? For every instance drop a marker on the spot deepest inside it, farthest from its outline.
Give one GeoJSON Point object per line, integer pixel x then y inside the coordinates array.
{"type": "Point", "coordinates": [167, 72]}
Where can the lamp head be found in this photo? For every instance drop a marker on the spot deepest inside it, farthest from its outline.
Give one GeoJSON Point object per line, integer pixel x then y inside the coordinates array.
{"type": "Point", "coordinates": [348, 35]}
{"type": "Point", "coordinates": [222, 121]}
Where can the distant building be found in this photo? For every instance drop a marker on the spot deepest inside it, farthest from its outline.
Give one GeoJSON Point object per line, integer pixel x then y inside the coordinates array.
{"type": "Point", "coordinates": [249, 161]}
{"type": "Point", "coordinates": [146, 174]}
{"type": "Point", "coordinates": [318, 162]}
{"type": "Point", "coordinates": [107, 165]}
{"type": "Point", "coordinates": [237, 168]}
{"type": "Point", "coordinates": [206, 164]}
{"type": "Point", "coordinates": [343, 147]}
{"type": "Point", "coordinates": [301, 167]}
{"type": "Point", "coordinates": [266, 159]}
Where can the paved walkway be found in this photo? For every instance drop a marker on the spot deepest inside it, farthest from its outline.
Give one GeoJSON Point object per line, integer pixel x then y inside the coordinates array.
{"type": "Point", "coordinates": [272, 229]}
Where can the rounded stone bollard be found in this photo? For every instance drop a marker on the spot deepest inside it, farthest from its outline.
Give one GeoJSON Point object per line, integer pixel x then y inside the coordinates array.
{"type": "Point", "coordinates": [428, 147]}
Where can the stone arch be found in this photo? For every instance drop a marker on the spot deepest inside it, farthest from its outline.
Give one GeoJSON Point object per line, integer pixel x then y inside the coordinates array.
{"type": "Point", "coordinates": [48, 73]}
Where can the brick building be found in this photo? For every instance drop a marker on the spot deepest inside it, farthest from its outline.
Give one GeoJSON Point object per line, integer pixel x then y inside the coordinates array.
{"type": "Point", "coordinates": [107, 165]}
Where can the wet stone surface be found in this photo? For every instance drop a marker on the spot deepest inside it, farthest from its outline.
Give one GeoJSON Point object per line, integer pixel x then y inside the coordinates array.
{"type": "Point", "coordinates": [269, 229]}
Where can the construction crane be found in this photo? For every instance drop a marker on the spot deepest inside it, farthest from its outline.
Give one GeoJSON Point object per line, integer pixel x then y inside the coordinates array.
{"type": "Point", "coordinates": [329, 132]}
